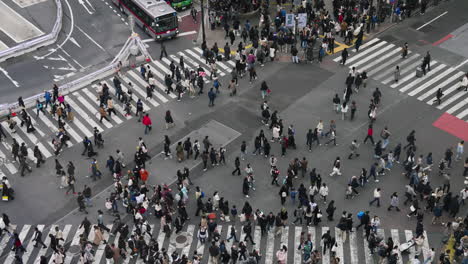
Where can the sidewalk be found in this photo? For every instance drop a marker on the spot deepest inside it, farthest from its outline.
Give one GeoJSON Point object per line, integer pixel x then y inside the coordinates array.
{"type": "Point", "coordinates": [218, 35]}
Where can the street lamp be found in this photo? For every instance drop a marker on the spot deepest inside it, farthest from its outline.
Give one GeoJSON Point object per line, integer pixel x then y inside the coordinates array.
{"type": "Point", "coordinates": [203, 20]}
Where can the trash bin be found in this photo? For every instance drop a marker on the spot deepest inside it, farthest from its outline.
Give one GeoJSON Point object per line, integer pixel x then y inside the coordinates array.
{"type": "Point", "coordinates": [419, 72]}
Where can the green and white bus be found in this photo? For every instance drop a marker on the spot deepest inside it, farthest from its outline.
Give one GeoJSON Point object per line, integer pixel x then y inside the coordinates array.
{"type": "Point", "coordinates": [155, 17]}
{"type": "Point", "coordinates": [180, 4]}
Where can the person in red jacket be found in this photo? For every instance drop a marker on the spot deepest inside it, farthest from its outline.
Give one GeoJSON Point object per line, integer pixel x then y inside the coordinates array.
{"type": "Point", "coordinates": [370, 134]}
{"type": "Point", "coordinates": [144, 175]}
{"type": "Point", "coordinates": [147, 122]}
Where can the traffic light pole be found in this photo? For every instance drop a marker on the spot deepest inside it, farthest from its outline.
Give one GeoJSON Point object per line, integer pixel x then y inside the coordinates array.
{"type": "Point", "coordinates": [203, 20]}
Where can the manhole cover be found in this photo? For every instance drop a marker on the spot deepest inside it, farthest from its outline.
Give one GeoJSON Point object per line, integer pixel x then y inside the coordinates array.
{"type": "Point", "coordinates": [181, 239]}
{"type": "Point", "coordinates": [74, 249]}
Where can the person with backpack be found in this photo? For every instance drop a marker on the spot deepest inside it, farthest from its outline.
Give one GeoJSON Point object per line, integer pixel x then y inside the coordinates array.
{"type": "Point", "coordinates": [216, 84]}
{"type": "Point", "coordinates": [211, 97]}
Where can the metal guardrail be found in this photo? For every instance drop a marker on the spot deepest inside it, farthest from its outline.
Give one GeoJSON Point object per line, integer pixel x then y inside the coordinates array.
{"type": "Point", "coordinates": [117, 63]}
{"type": "Point", "coordinates": [32, 45]}
{"type": "Point", "coordinates": [36, 43]}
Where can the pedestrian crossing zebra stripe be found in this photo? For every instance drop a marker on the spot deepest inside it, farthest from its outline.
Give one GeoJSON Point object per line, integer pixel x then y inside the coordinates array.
{"type": "Point", "coordinates": [45, 124]}
{"type": "Point", "coordinates": [440, 77]}
{"type": "Point", "coordinates": [430, 82]}
{"type": "Point", "coordinates": [375, 54]}
{"type": "Point", "coordinates": [380, 60]}
{"type": "Point", "coordinates": [353, 247]}
{"type": "Point", "coordinates": [396, 241]}
{"type": "Point", "coordinates": [441, 85]}
{"type": "Point", "coordinates": [367, 252]}
{"type": "Point", "coordinates": [326, 253]}
{"type": "Point", "coordinates": [155, 92]}
{"type": "Point", "coordinates": [418, 80]}
{"type": "Point", "coordinates": [365, 45]}
{"type": "Point", "coordinates": [352, 244]}
{"type": "Point", "coordinates": [392, 69]}
{"type": "Point", "coordinates": [141, 92]}
{"type": "Point", "coordinates": [65, 232]}
{"type": "Point", "coordinates": [361, 54]}
{"type": "Point", "coordinates": [340, 239]}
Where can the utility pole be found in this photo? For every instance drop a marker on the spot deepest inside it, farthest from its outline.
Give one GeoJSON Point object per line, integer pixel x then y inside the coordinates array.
{"type": "Point", "coordinates": [203, 20]}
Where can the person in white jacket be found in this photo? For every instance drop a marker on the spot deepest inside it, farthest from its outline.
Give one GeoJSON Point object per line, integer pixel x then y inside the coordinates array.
{"type": "Point", "coordinates": [324, 192]}
{"type": "Point", "coordinates": [464, 83]}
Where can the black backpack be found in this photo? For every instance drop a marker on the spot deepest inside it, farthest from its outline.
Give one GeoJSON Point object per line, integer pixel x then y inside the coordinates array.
{"type": "Point", "coordinates": [109, 253]}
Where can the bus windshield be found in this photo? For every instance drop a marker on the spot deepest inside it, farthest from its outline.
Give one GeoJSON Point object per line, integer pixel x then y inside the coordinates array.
{"type": "Point", "coordinates": [165, 23]}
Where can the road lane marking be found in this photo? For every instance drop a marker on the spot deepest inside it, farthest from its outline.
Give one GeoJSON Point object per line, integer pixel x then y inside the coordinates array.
{"type": "Point", "coordinates": [16, 26]}
{"type": "Point", "coordinates": [90, 38]}
{"type": "Point", "coordinates": [437, 17]}
{"type": "Point", "coordinates": [187, 33]}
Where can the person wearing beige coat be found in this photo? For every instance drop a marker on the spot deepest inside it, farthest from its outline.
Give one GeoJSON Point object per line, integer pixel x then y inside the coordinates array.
{"type": "Point", "coordinates": [98, 236]}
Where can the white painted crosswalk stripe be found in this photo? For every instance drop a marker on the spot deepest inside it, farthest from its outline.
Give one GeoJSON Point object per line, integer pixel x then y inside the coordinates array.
{"type": "Point", "coordinates": [339, 241]}
{"type": "Point", "coordinates": [367, 254]}
{"type": "Point", "coordinates": [431, 82]}
{"type": "Point", "coordinates": [375, 54]}
{"type": "Point", "coordinates": [142, 95]}
{"type": "Point", "coordinates": [456, 107]}
{"type": "Point", "coordinates": [126, 86]}
{"type": "Point", "coordinates": [100, 250]}
{"type": "Point", "coordinates": [65, 233]}
{"type": "Point", "coordinates": [75, 242]}
{"type": "Point", "coordinates": [19, 140]}
{"type": "Point", "coordinates": [411, 74]}
{"type": "Point", "coordinates": [31, 243]}
{"type": "Point", "coordinates": [326, 254]}
{"type": "Point", "coordinates": [355, 251]}
{"type": "Point", "coordinates": [363, 53]}
{"type": "Point", "coordinates": [453, 88]}
{"type": "Point", "coordinates": [367, 44]}
{"type": "Point", "coordinates": [96, 100]}
{"type": "Point", "coordinates": [353, 247]}
{"type": "Point", "coordinates": [464, 113]}
{"type": "Point", "coordinates": [46, 240]}
{"type": "Point", "coordinates": [10, 167]}
{"type": "Point", "coordinates": [83, 114]}
{"type": "Point", "coordinates": [158, 84]}
{"type": "Point", "coordinates": [92, 109]}
{"type": "Point", "coordinates": [409, 236]}
{"type": "Point", "coordinates": [22, 235]}
{"type": "Point", "coordinates": [141, 89]}
{"type": "Point", "coordinates": [390, 69]}
{"type": "Point", "coordinates": [257, 238]}
{"type": "Point", "coordinates": [380, 60]}
{"type": "Point", "coordinates": [117, 107]}
{"type": "Point", "coordinates": [270, 247]}
{"type": "Point", "coordinates": [191, 231]}
{"type": "Point", "coordinates": [396, 242]}
{"type": "Point", "coordinates": [144, 84]}
{"type": "Point", "coordinates": [425, 248]}
{"type": "Point", "coordinates": [420, 79]}
{"type": "Point", "coordinates": [441, 85]}
{"type": "Point", "coordinates": [297, 245]}
{"type": "Point", "coordinates": [200, 59]}
{"type": "Point", "coordinates": [33, 139]}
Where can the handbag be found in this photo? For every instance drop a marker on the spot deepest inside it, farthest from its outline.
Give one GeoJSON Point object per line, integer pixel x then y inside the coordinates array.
{"type": "Point", "coordinates": [412, 208]}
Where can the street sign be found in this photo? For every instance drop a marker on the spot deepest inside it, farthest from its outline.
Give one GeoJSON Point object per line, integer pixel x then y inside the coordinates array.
{"type": "Point", "coordinates": [302, 20]}
{"type": "Point", "coordinates": [290, 20]}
